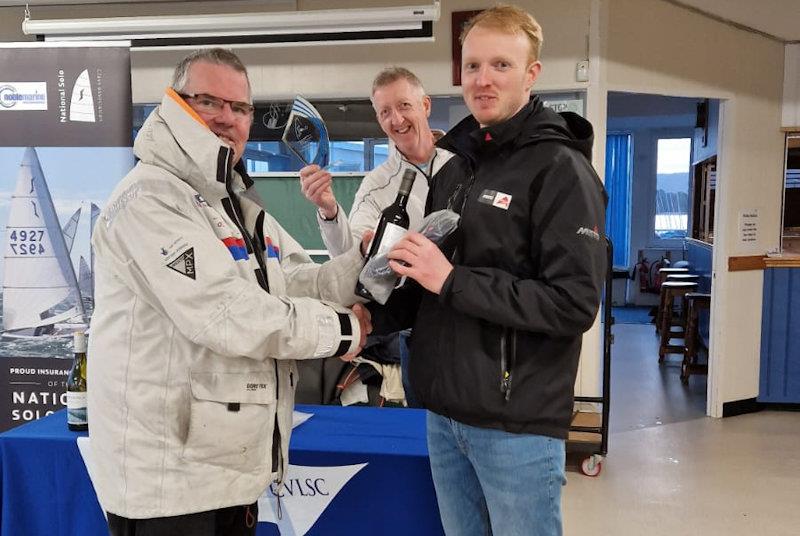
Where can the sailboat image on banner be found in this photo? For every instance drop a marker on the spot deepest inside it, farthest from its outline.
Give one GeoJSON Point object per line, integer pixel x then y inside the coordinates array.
{"type": "Point", "coordinates": [81, 105]}
{"type": "Point", "coordinates": [40, 290]}
{"type": "Point", "coordinates": [94, 213]}
{"type": "Point", "coordinates": [85, 278]}
{"type": "Point", "coordinates": [71, 228]}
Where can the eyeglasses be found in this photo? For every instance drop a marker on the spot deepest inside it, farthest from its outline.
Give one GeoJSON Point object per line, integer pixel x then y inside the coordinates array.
{"type": "Point", "coordinates": [213, 105]}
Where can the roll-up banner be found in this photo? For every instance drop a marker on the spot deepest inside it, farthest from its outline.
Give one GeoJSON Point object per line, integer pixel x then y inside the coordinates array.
{"type": "Point", "coordinates": [65, 142]}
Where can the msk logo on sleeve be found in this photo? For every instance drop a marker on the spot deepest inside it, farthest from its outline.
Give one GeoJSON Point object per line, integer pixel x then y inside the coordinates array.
{"type": "Point", "coordinates": [236, 247]}
{"type": "Point", "coordinates": [273, 251]}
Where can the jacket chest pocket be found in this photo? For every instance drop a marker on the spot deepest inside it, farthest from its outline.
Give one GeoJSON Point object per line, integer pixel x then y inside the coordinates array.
{"type": "Point", "coordinates": [231, 416]}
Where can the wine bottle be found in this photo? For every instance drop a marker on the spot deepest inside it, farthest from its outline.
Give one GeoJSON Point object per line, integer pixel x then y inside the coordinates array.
{"type": "Point", "coordinates": [392, 225]}
{"type": "Point", "coordinates": [76, 386]}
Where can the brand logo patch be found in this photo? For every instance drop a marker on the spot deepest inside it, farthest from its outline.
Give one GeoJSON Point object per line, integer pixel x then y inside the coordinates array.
{"type": "Point", "coordinates": [591, 233]}
{"type": "Point", "coordinates": [495, 198]}
{"type": "Point", "coordinates": [23, 96]}
{"type": "Point", "coordinates": [184, 264]}
{"type": "Point", "coordinates": [502, 200]}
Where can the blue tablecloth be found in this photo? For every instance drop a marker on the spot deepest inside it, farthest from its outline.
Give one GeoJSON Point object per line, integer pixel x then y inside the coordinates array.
{"type": "Point", "coordinates": [46, 489]}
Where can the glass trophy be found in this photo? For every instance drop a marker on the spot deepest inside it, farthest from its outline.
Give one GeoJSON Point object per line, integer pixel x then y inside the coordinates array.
{"type": "Point", "coordinates": [306, 135]}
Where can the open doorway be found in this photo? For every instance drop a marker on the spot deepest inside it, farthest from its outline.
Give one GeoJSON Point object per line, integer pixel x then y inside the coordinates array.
{"type": "Point", "coordinates": [658, 150]}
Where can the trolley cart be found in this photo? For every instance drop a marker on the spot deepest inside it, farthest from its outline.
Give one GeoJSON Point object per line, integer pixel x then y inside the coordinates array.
{"type": "Point", "coordinates": [588, 433]}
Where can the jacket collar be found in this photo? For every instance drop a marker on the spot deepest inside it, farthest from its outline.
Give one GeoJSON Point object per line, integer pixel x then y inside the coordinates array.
{"type": "Point", "coordinates": [468, 137]}
{"type": "Point", "coordinates": [176, 139]}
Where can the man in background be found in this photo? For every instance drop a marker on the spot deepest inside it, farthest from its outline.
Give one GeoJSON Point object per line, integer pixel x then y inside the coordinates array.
{"type": "Point", "coordinates": [402, 109]}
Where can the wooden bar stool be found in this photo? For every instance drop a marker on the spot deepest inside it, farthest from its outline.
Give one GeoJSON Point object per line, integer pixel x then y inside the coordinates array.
{"type": "Point", "coordinates": [669, 291]}
{"type": "Point", "coordinates": [672, 274]}
{"type": "Point", "coordinates": [691, 278]}
{"type": "Point", "coordinates": [695, 302]}
{"type": "Point", "coordinates": [670, 270]}
{"type": "Point", "coordinates": [663, 273]}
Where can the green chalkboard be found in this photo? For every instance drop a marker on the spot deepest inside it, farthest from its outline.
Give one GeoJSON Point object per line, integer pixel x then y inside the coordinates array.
{"type": "Point", "coordinates": [295, 213]}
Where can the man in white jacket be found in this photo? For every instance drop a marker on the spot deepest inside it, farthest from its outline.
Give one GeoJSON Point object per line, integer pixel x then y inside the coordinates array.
{"type": "Point", "coordinates": [203, 305]}
{"type": "Point", "coordinates": [402, 109]}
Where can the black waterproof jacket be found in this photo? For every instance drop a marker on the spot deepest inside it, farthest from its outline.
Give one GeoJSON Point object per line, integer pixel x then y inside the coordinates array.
{"type": "Point", "coordinates": [499, 347]}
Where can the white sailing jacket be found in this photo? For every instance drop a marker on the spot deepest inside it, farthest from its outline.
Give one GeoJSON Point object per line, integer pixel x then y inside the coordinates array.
{"type": "Point", "coordinates": [377, 191]}
{"type": "Point", "coordinates": [203, 304]}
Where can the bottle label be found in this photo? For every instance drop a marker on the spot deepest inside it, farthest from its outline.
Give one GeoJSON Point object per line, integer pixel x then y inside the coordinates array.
{"type": "Point", "coordinates": [391, 234]}
{"type": "Point", "coordinates": [76, 407]}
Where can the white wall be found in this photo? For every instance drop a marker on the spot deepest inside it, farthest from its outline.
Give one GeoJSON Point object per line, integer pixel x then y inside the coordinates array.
{"type": "Point", "coordinates": [657, 47]}
{"type": "Point", "coordinates": [791, 87]}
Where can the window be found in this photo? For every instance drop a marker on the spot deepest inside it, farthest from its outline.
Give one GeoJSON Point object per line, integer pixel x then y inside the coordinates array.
{"type": "Point", "coordinates": [379, 151]}
{"type": "Point", "coordinates": [346, 156]}
{"type": "Point", "coordinates": [672, 187]}
{"type": "Point", "coordinates": [618, 186]}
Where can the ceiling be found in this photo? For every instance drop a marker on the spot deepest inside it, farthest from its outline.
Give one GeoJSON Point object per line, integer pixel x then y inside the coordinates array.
{"type": "Point", "coordinates": [777, 18]}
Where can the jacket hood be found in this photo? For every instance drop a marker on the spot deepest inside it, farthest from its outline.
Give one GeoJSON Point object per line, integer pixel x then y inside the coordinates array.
{"type": "Point", "coordinates": [175, 138]}
{"type": "Point", "coordinates": [534, 123]}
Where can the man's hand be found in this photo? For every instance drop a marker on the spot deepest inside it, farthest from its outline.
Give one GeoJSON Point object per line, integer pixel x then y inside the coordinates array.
{"type": "Point", "coordinates": [366, 238]}
{"type": "Point", "coordinates": [365, 321]}
{"type": "Point", "coordinates": [425, 263]}
{"type": "Point", "coordinates": [316, 185]}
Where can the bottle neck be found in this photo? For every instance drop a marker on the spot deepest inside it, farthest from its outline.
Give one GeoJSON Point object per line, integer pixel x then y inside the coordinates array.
{"type": "Point", "coordinates": [405, 188]}
{"type": "Point", "coordinates": [401, 201]}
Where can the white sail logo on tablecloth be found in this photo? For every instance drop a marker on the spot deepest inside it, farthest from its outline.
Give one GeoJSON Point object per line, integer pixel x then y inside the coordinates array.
{"type": "Point", "coordinates": [81, 105]}
{"type": "Point", "coordinates": [40, 290]}
{"type": "Point", "coordinates": [306, 493]}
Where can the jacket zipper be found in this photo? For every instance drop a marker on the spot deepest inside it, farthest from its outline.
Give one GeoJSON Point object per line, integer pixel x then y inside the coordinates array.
{"type": "Point", "coordinates": [507, 360]}
{"type": "Point", "coordinates": [238, 219]}
{"type": "Point", "coordinates": [462, 208]}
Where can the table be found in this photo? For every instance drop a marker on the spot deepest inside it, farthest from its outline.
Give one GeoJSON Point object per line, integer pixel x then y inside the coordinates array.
{"type": "Point", "coordinates": [46, 490]}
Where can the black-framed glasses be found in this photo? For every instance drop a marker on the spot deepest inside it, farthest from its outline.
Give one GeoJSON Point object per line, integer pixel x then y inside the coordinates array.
{"type": "Point", "coordinates": [213, 105]}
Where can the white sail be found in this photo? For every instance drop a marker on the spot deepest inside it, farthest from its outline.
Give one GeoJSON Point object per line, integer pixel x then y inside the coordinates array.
{"type": "Point", "coordinates": [85, 279]}
{"type": "Point", "coordinates": [39, 284]}
{"type": "Point", "coordinates": [81, 105]}
{"type": "Point", "coordinates": [70, 228]}
{"type": "Point", "coordinates": [94, 213]}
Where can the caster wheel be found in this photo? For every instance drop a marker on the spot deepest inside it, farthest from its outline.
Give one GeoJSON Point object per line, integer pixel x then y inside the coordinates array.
{"type": "Point", "coordinates": [592, 466]}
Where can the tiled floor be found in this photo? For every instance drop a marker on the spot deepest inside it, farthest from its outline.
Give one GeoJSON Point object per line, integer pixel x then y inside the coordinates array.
{"type": "Point", "coordinates": [672, 471]}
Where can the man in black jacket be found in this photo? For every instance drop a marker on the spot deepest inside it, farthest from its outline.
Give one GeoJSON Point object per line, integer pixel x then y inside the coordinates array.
{"type": "Point", "coordinates": [498, 334]}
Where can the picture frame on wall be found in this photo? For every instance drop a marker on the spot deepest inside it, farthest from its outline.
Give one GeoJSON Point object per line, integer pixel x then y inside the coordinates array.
{"type": "Point", "coordinates": [458, 20]}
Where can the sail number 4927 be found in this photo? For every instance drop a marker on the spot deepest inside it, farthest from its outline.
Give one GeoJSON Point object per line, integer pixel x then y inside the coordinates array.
{"type": "Point", "coordinates": [26, 242]}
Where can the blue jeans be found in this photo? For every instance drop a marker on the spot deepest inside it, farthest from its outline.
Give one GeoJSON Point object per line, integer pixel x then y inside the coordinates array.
{"type": "Point", "coordinates": [494, 482]}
